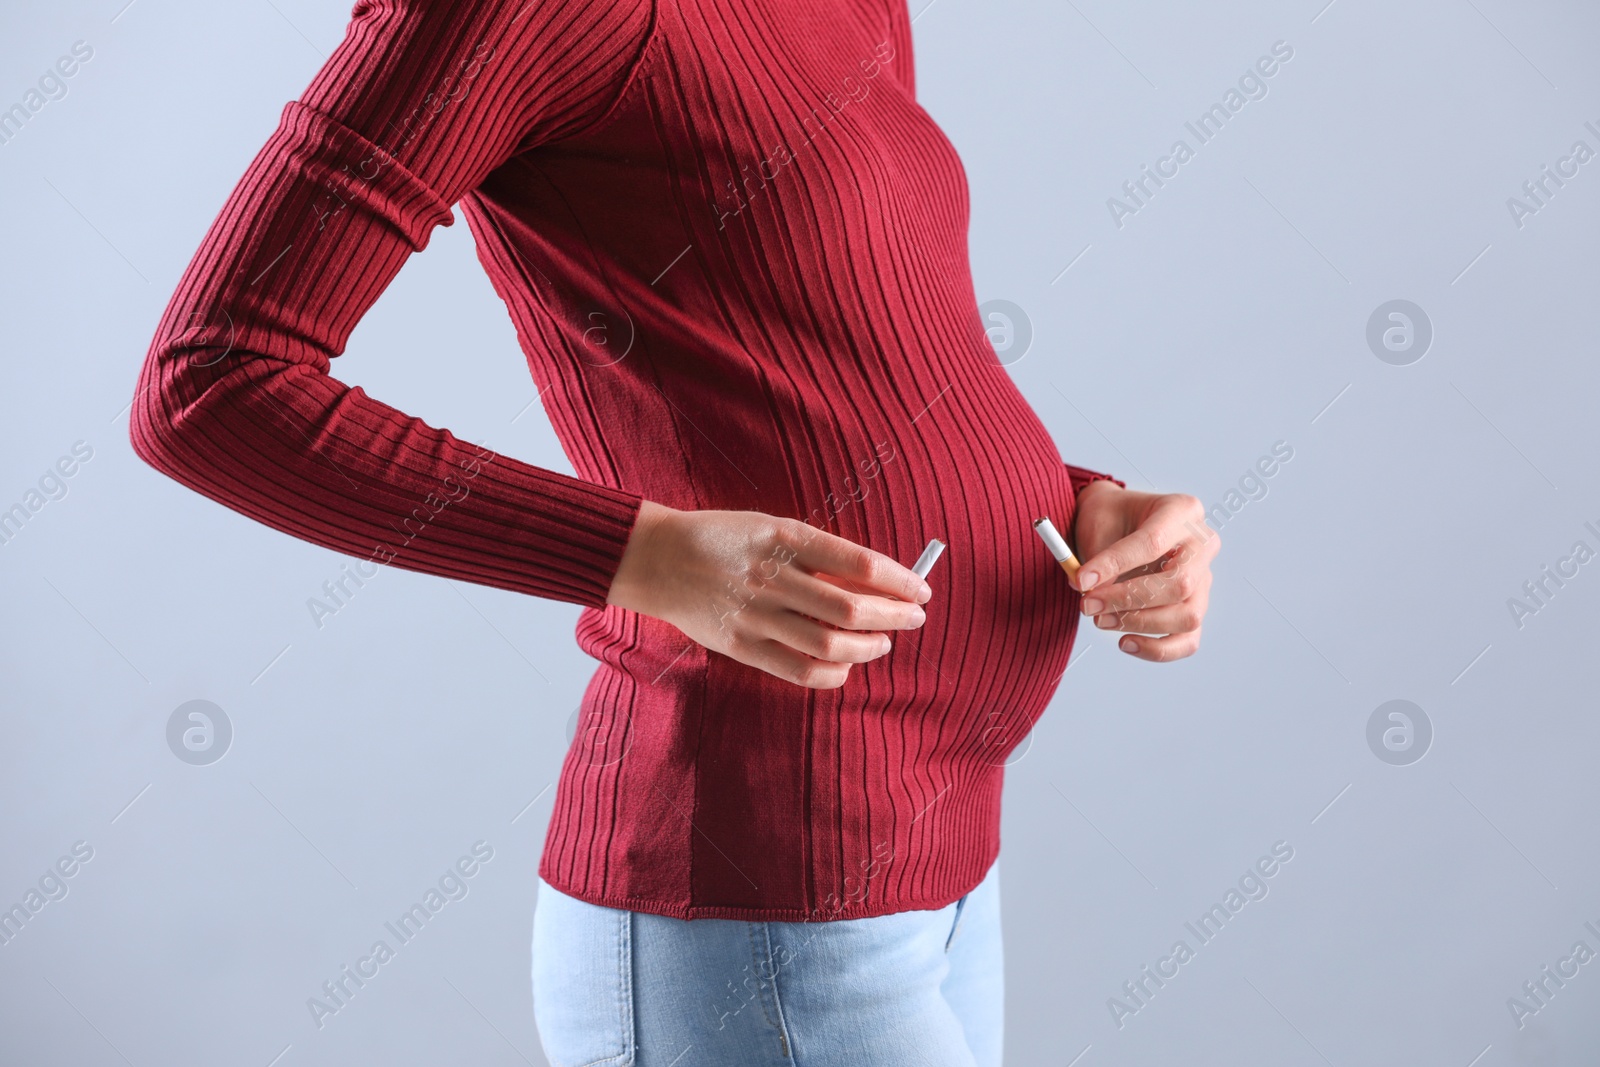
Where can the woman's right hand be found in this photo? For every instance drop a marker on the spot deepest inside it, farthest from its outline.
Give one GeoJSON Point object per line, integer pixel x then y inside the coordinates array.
{"type": "Point", "coordinates": [776, 594]}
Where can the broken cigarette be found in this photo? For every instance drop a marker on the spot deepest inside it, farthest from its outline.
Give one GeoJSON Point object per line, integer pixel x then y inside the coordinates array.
{"type": "Point", "coordinates": [924, 562]}
{"type": "Point", "coordinates": [1057, 546]}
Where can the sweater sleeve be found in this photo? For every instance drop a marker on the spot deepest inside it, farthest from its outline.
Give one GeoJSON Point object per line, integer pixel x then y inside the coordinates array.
{"type": "Point", "coordinates": [415, 107]}
{"type": "Point", "coordinates": [1082, 476]}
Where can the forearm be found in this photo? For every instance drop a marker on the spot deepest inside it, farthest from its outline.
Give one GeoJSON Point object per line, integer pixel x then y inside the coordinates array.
{"type": "Point", "coordinates": [311, 457]}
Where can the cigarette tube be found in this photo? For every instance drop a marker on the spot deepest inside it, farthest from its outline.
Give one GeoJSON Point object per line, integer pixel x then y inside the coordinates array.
{"type": "Point", "coordinates": [924, 562]}
{"type": "Point", "coordinates": [1057, 546]}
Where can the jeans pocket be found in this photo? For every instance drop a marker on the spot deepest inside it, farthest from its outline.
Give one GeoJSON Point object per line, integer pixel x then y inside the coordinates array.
{"type": "Point", "coordinates": [955, 923]}
{"type": "Point", "coordinates": [582, 981]}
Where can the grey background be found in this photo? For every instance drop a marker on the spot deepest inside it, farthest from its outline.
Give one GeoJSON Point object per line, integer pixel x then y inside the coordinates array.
{"type": "Point", "coordinates": [1228, 314]}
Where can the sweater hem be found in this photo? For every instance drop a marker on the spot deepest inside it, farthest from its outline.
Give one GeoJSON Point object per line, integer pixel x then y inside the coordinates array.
{"type": "Point", "coordinates": [755, 914]}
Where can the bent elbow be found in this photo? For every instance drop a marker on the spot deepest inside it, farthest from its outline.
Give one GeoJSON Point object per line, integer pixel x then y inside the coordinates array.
{"type": "Point", "coordinates": [150, 431]}
{"type": "Point", "coordinates": [160, 428]}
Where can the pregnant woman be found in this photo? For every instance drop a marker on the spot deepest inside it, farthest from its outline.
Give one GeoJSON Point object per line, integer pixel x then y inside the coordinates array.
{"type": "Point", "coordinates": [735, 251]}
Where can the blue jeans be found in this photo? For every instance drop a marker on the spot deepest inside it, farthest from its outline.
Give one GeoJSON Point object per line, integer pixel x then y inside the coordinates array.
{"type": "Point", "coordinates": [616, 988]}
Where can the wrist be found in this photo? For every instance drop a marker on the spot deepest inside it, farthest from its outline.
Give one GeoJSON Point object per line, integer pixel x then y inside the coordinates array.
{"type": "Point", "coordinates": [635, 575]}
{"type": "Point", "coordinates": [1087, 494]}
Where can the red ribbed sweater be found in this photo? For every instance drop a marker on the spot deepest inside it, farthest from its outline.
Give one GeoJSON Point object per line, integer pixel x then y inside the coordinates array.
{"type": "Point", "coordinates": [735, 251]}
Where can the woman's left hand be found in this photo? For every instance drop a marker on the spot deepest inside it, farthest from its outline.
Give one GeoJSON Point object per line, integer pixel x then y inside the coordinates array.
{"type": "Point", "coordinates": [1146, 567]}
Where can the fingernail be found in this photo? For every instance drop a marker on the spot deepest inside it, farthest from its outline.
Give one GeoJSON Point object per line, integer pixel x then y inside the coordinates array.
{"type": "Point", "coordinates": [1093, 606]}
{"type": "Point", "coordinates": [1129, 645]}
{"type": "Point", "coordinates": [920, 617]}
{"type": "Point", "coordinates": [887, 644]}
{"type": "Point", "coordinates": [925, 594]}
{"type": "Point", "coordinates": [1086, 580]}
{"type": "Point", "coordinates": [1105, 622]}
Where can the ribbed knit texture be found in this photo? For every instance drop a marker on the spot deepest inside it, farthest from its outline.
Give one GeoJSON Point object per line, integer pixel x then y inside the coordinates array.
{"type": "Point", "coordinates": [735, 251]}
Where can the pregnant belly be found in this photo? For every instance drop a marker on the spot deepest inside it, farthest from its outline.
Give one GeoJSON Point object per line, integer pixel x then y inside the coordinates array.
{"type": "Point", "coordinates": [1003, 616]}
{"type": "Point", "coordinates": [1001, 621]}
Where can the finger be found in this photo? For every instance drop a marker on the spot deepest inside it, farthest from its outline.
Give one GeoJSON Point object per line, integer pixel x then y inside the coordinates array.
{"type": "Point", "coordinates": [1201, 547]}
{"type": "Point", "coordinates": [817, 596]}
{"type": "Point", "coordinates": [1161, 649]}
{"type": "Point", "coordinates": [1172, 619]}
{"type": "Point", "coordinates": [1169, 523]}
{"type": "Point", "coordinates": [1155, 567]}
{"type": "Point", "coordinates": [781, 661]}
{"type": "Point", "coordinates": [820, 641]}
{"type": "Point", "coordinates": [1149, 591]}
{"type": "Point", "coordinates": [869, 569]}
